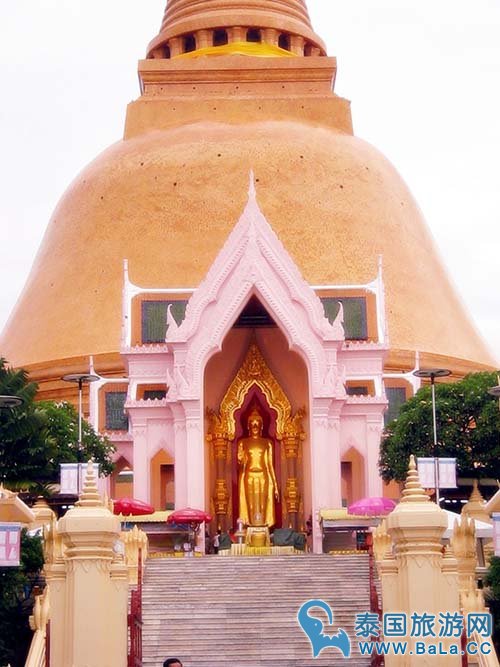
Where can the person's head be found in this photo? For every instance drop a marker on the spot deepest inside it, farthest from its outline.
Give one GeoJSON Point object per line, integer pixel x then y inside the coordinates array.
{"type": "Point", "coordinates": [172, 662]}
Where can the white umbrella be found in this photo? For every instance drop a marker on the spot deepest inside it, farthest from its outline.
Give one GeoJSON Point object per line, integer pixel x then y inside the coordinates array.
{"type": "Point", "coordinates": [483, 529]}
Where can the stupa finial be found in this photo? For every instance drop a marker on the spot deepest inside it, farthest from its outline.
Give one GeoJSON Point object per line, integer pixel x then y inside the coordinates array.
{"type": "Point", "coordinates": [90, 496]}
{"type": "Point", "coordinates": [413, 491]}
{"type": "Point", "coordinates": [476, 494]}
{"type": "Point", "coordinates": [475, 507]}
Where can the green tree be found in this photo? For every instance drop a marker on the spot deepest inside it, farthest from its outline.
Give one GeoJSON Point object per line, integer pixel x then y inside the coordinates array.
{"type": "Point", "coordinates": [492, 595]}
{"type": "Point", "coordinates": [16, 602]}
{"type": "Point", "coordinates": [36, 437]}
{"type": "Point", "coordinates": [61, 427]}
{"type": "Point", "coordinates": [23, 447]}
{"type": "Point", "coordinates": [468, 427]}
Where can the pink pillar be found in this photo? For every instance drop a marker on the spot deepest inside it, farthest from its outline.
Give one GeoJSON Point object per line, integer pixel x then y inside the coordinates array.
{"type": "Point", "coordinates": [141, 462]}
{"type": "Point", "coordinates": [325, 464]}
{"type": "Point", "coordinates": [374, 485]}
{"type": "Point", "coordinates": [180, 477]}
{"type": "Point", "coordinates": [195, 454]}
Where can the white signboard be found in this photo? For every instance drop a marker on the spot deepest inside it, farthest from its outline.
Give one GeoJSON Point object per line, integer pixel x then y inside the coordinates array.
{"type": "Point", "coordinates": [426, 472]}
{"type": "Point", "coordinates": [10, 544]}
{"type": "Point", "coordinates": [447, 473]}
{"type": "Point", "coordinates": [69, 477]}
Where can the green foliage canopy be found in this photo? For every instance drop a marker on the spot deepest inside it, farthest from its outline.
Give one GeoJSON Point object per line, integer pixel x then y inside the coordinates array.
{"type": "Point", "coordinates": [468, 427]}
{"type": "Point", "coordinates": [62, 428]}
{"type": "Point", "coordinates": [16, 602]}
{"type": "Point", "coordinates": [36, 437]}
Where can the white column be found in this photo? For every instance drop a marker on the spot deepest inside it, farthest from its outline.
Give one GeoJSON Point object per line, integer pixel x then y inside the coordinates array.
{"type": "Point", "coordinates": [141, 462]}
{"type": "Point", "coordinates": [325, 464]}
{"type": "Point", "coordinates": [195, 454]}
{"type": "Point", "coordinates": [374, 484]}
{"type": "Point", "coordinates": [181, 495]}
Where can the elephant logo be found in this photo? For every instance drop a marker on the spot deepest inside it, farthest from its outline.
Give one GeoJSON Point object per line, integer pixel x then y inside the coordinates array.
{"type": "Point", "coordinates": [313, 628]}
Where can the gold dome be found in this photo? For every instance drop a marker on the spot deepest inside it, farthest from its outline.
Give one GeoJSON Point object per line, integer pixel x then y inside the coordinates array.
{"type": "Point", "coordinates": [168, 195]}
{"type": "Point", "coordinates": [166, 200]}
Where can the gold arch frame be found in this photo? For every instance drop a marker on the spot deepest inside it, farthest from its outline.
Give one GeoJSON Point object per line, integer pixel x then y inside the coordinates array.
{"type": "Point", "coordinates": [254, 371]}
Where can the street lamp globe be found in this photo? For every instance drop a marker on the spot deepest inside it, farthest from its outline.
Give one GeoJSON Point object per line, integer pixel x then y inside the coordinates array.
{"type": "Point", "coordinates": [9, 402]}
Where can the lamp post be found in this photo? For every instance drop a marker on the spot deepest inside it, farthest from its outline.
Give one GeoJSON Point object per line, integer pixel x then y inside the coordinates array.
{"type": "Point", "coordinates": [431, 374]}
{"type": "Point", "coordinates": [80, 379]}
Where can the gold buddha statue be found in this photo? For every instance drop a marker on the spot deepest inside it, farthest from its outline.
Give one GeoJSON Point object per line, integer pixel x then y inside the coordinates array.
{"type": "Point", "coordinates": [257, 486]}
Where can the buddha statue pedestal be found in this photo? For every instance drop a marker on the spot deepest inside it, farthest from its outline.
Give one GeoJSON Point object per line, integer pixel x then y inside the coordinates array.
{"type": "Point", "coordinates": [258, 536]}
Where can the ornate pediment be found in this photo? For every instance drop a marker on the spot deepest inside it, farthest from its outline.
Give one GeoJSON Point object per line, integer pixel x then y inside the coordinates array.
{"type": "Point", "coordinates": [255, 372]}
{"type": "Point", "coordinates": [254, 262]}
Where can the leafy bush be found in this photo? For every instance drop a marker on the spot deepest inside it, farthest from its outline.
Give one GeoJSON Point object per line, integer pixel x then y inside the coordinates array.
{"type": "Point", "coordinates": [16, 602]}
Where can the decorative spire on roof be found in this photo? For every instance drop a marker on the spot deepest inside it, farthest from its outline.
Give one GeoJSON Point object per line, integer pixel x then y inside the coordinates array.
{"type": "Point", "coordinates": [190, 25]}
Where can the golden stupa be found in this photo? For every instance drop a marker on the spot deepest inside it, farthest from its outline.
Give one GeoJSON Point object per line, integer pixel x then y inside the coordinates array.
{"type": "Point", "coordinates": [229, 86]}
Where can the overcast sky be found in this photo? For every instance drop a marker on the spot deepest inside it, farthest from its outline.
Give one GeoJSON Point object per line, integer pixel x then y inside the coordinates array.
{"type": "Point", "coordinates": [423, 77]}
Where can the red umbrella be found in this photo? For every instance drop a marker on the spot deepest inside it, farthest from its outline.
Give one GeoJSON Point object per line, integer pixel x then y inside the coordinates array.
{"type": "Point", "coordinates": [189, 515]}
{"type": "Point", "coordinates": [372, 507]}
{"type": "Point", "coordinates": [131, 506]}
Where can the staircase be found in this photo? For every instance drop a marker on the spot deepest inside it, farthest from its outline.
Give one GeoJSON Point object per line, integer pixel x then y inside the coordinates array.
{"type": "Point", "coordinates": [241, 612]}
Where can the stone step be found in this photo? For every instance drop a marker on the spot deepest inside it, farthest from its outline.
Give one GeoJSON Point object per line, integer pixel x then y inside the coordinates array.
{"type": "Point", "coordinates": [242, 612]}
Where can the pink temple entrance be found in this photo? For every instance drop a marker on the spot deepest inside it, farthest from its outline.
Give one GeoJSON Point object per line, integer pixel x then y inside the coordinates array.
{"type": "Point", "coordinates": [253, 332]}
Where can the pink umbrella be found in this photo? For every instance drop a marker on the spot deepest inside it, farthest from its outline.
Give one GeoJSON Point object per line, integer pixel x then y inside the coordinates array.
{"type": "Point", "coordinates": [372, 507]}
{"type": "Point", "coordinates": [192, 517]}
{"type": "Point", "coordinates": [132, 507]}
{"type": "Point", "coordinates": [189, 515]}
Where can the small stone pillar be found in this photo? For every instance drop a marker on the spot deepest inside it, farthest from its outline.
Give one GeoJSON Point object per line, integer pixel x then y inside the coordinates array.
{"type": "Point", "coordinates": [158, 54]}
{"type": "Point", "coordinates": [43, 514]}
{"type": "Point", "coordinates": [134, 541]}
{"type": "Point", "coordinates": [382, 542]}
{"type": "Point", "coordinates": [475, 508]}
{"type": "Point", "coordinates": [203, 39]}
{"type": "Point", "coordinates": [175, 46]}
{"type": "Point", "coordinates": [463, 542]}
{"type": "Point", "coordinates": [416, 527]}
{"type": "Point", "coordinates": [389, 581]}
{"type": "Point", "coordinates": [96, 585]}
{"type": "Point", "coordinates": [38, 623]}
{"type": "Point", "coordinates": [297, 44]}
{"type": "Point", "coordinates": [270, 36]}
{"type": "Point", "coordinates": [449, 568]}
{"type": "Point", "coordinates": [237, 34]}
{"type": "Point", "coordinates": [55, 576]}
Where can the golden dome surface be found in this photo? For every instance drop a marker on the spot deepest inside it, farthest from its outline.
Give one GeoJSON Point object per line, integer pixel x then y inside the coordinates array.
{"type": "Point", "coordinates": [166, 200]}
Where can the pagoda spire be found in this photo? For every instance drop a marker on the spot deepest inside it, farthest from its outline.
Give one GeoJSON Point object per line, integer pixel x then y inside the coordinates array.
{"type": "Point", "coordinates": [189, 25]}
